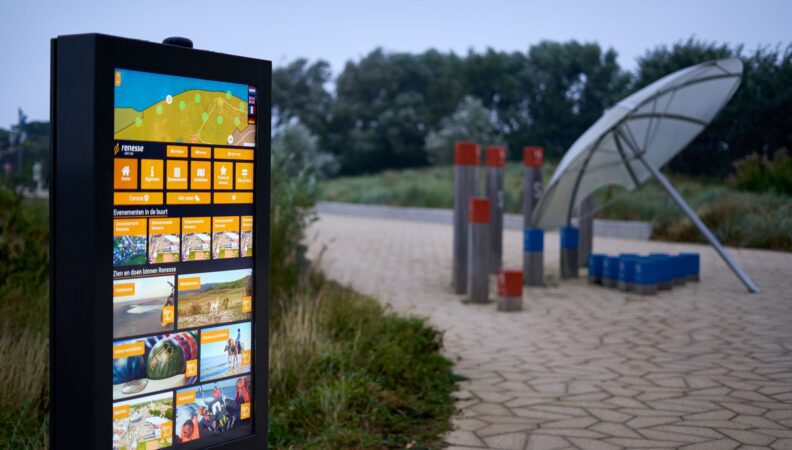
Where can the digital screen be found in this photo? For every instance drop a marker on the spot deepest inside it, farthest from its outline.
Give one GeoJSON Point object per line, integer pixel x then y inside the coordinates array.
{"type": "Point", "coordinates": [184, 158]}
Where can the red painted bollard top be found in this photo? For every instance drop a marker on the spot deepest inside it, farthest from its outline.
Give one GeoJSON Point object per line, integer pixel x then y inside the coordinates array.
{"type": "Point", "coordinates": [510, 283]}
{"type": "Point", "coordinates": [496, 156]}
{"type": "Point", "coordinates": [467, 153]}
{"type": "Point", "coordinates": [479, 210]}
{"type": "Point", "coordinates": [533, 156]}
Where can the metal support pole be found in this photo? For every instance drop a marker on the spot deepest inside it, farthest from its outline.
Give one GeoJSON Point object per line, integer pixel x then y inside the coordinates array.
{"type": "Point", "coordinates": [478, 250]}
{"type": "Point", "coordinates": [570, 239]}
{"type": "Point", "coordinates": [496, 159]}
{"type": "Point", "coordinates": [467, 156]}
{"type": "Point", "coordinates": [746, 280]}
{"type": "Point", "coordinates": [586, 226]}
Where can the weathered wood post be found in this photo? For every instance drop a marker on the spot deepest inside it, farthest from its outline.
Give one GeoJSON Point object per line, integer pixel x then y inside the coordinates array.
{"type": "Point", "coordinates": [586, 225]}
{"type": "Point", "coordinates": [510, 286]}
{"type": "Point", "coordinates": [467, 156]}
{"type": "Point", "coordinates": [496, 159]}
{"type": "Point", "coordinates": [533, 243]}
{"type": "Point", "coordinates": [478, 250]}
{"type": "Point", "coordinates": [570, 239]}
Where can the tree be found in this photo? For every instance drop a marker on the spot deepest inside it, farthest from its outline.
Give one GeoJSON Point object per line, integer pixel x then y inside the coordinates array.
{"type": "Point", "coordinates": [471, 121]}
{"type": "Point", "coordinates": [299, 93]}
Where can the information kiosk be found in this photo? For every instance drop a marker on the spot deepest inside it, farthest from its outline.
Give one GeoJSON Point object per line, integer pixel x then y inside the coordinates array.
{"type": "Point", "coordinates": [160, 222]}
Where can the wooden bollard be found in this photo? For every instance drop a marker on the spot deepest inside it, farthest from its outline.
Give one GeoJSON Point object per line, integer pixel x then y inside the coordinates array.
{"type": "Point", "coordinates": [533, 257]}
{"type": "Point", "coordinates": [569, 252]}
{"type": "Point", "coordinates": [496, 159]}
{"type": "Point", "coordinates": [467, 156]}
{"type": "Point", "coordinates": [533, 261]}
{"type": "Point", "coordinates": [510, 286]}
{"type": "Point", "coordinates": [478, 250]}
{"type": "Point", "coordinates": [586, 226]}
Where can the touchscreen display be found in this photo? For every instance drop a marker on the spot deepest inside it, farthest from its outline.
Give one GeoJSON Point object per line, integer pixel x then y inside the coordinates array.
{"type": "Point", "coordinates": [183, 299]}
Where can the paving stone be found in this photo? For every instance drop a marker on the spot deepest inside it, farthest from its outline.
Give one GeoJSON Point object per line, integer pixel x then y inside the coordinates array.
{"type": "Point", "coordinates": [512, 441]}
{"type": "Point", "coordinates": [539, 442]}
{"type": "Point", "coordinates": [590, 367]}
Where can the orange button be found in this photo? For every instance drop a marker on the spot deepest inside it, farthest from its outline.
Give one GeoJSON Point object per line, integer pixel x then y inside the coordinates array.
{"type": "Point", "coordinates": [189, 283]}
{"type": "Point", "coordinates": [168, 225]}
{"type": "Point", "coordinates": [247, 223]}
{"type": "Point", "coordinates": [121, 411]}
{"type": "Point", "coordinates": [177, 151]}
{"type": "Point", "coordinates": [129, 227]}
{"type": "Point", "coordinates": [185, 397]}
{"type": "Point", "coordinates": [210, 337]}
{"type": "Point", "coordinates": [123, 289]}
{"type": "Point", "coordinates": [130, 349]}
{"type": "Point", "coordinates": [201, 152]}
{"type": "Point", "coordinates": [188, 198]}
{"type": "Point", "coordinates": [233, 153]}
{"type": "Point", "coordinates": [151, 174]}
{"type": "Point", "coordinates": [125, 173]}
{"type": "Point", "coordinates": [244, 175]}
{"type": "Point", "coordinates": [221, 198]}
{"type": "Point", "coordinates": [195, 225]}
{"type": "Point", "coordinates": [223, 175]}
{"type": "Point", "coordinates": [201, 175]}
{"type": "Point", "coordinates": [225, 224]}
{"type": "Point", "coordinates": [137, 198]}
{"type": "Point", "coordinates": [177, 175]}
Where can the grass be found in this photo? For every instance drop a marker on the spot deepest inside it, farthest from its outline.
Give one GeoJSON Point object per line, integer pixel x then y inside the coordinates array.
{"type": "Point", "coordinates": [347, 373]}
{"type": "Point", "coordinates": [738, 218]}
{"type": "Point", "coordinates": [344, 371]}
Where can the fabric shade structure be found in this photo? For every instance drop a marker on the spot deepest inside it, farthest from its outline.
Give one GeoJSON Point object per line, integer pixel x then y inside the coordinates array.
{"type": "Point", "coordinates": [631, 142]}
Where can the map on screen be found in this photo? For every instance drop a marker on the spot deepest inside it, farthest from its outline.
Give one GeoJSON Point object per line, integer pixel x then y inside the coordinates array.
{"type": "Point", "coordinates": [167, 108]}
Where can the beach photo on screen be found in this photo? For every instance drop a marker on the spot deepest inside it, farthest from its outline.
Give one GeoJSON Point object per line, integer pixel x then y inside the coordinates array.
{"type": "Point", "coordinates": [153, 364]}
{"type": "Point", "coordinates": [225, 351]}
{"type": "Point", "coordinates": [212, 298]}
{"type": "Point", "coordinates": [213, 408]}
{"type": "Point", "coordinates": [143, 423]}
{"type": "Point", "coordinates": [129, 242]}
{"type": "Point", "coordinates": [143, 305]}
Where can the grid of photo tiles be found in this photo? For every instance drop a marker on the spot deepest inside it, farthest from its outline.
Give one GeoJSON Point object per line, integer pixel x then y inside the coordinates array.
{"type": "Point", "coordinates": [183, 303]}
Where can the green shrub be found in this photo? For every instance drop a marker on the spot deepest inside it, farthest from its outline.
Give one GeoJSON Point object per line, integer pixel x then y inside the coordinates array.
{"type": "Point", "coordinates": [761, 174]}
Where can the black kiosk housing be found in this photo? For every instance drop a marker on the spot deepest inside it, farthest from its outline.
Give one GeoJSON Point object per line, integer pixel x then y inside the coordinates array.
{"type": "Point", "coordinates": [82, 225]}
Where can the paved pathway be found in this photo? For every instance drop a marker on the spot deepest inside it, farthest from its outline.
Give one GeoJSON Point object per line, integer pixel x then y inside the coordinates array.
{"type": "Point", "coordinates": [705, 366]}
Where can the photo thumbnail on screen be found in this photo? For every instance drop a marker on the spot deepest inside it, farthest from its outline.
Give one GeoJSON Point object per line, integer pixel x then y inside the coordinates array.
{"type": "Point", "coordinates": [143, 305]}
{"type": "Point", "coordinates": [155, 363]}
{"type": "Point", "coordinates": [164, 238]}
{"type": "Point", "coordinates": [129, 242]}
{"type": "Point", "coordinates": [226, 351]}
{"type": "Point", "coordinates": [211, 298]}
{"type": "Point", "coordinates": [213, 408]}
{"type": "Point", "coordinates": [196, 241]}
{"type": "Point", "coordinates": [246, 240]}
{"type": "Point", "coordinates": [225, 237]}
{"type": "Point", "coordinates": [145, 422]}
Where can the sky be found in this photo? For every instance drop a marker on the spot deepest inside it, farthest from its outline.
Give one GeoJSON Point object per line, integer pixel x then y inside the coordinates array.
{"type": "Point", "coordinates": [340, 30]}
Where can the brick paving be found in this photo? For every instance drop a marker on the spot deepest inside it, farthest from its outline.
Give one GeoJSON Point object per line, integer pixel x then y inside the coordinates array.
{"type": "Point", "coordinates": [705, 366]}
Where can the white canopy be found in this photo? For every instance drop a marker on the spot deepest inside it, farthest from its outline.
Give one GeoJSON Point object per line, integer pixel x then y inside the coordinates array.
{"type": "Point", "coordinates": [653, 125]}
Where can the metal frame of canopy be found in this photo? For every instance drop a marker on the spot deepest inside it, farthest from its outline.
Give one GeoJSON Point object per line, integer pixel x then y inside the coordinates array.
{"type": "Point", "coordinates": [637, 155]}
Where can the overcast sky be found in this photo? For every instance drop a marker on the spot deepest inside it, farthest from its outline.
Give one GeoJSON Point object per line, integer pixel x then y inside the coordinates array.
{"type": "Point", "coordinates": [341, 30]}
